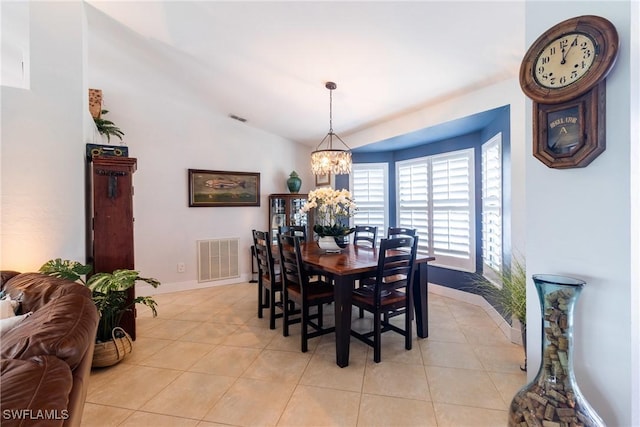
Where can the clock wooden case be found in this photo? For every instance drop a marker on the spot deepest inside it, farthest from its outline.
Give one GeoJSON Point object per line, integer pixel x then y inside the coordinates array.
{"type": "Point", "coordinates": [564, 73]}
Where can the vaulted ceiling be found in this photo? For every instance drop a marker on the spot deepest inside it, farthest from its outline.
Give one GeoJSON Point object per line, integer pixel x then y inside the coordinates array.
{"type": "Point", "coordinates": [268, 62]}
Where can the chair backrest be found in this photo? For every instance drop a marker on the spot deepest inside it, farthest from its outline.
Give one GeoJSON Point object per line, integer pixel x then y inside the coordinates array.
{"type": "Point", "coordinates": [365, 233]}
{"type": "Point", "coordinates": [400, 231]}
{"type": "Point", "coordinates": [291, 268]}
{"type": "Point", "coordinates": [294, 230]}
{"type": "Point", "coordinates": [264, 256]}
{"type": "Point", "coordinates": [396, 258]}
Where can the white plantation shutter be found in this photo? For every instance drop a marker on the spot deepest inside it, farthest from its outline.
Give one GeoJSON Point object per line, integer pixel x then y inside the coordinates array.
{"type": "Point", "coordinates": [453, 229]}
{"type": "Point", "coordinates": [436, 197]}
{"type": "Point", "coordinates": [370, 183]}
{"type": "Point", "coordinates": [413, 199]}
{"type": "Point", "coordinates": [492, 205]}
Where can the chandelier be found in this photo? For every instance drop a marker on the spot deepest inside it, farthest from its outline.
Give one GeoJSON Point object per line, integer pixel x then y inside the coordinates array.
{"type": "Point", "coordinates": [331, 160]}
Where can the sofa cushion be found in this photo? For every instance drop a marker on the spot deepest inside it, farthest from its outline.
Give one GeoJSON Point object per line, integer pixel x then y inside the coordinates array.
{"type": "Point", "coordinates": [34, 391]}
{"type": "Point", "coordinates": [38, 289]}
{"type": "Point", "coordinates": [64, 328]}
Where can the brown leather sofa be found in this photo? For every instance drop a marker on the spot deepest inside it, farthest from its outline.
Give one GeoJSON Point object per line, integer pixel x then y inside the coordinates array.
{"type": "Point", "coordinates": [46, 360]}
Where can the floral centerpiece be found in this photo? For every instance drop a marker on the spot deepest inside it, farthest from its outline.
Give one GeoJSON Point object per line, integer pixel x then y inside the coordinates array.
{"type": "Point", "coordinates": [333, 208]}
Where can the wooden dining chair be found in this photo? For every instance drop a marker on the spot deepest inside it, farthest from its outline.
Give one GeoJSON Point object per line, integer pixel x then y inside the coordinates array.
{"type": "Point", "coordinates": [301, 232]}
{"type": "Point", "coordinates": [400, 231]}
{"type": "Point", "coordinates": [390, 291]}
{"type": "Point", "coordinates": [299, 290]}
{"type": "Point", "coordinates": [269, 281]}
{"type": "Point", "coordinates": [365, 234]}
{"type": "Point", "coordinates": [295, 230]}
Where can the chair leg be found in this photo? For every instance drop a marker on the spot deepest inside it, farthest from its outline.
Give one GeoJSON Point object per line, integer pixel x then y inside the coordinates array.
{"type": "Point", "coordinates": [360, 310]}
{"type": "Point", "coordinates": [260, 292]}
{"type": "Point", "coordinates": [304, 318]}
{"type": "Point", "coordinates": [408, 324]}
{"type": "Point", "coordinates": [377, 338]}
{"type": "Point", "coordinates": [286, 308]}
{"type": "Point", "coordinates": [272, 308]}
{"type": "Point", "coordinates": [320, 316]}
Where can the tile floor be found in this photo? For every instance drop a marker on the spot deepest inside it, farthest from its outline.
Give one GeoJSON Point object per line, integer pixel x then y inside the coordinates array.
{"type": "Point", "coordinates": [208, 360]}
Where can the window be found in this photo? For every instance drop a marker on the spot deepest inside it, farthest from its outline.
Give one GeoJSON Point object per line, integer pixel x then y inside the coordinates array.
{"type": "Point", "coordinates": [436, 197]}
{"type": "Point", "coordinates": [370, 183]}
{"type": "Point", "coordinates": [492, 206]}
{"type": "Point", "coordinates": [413, 199]}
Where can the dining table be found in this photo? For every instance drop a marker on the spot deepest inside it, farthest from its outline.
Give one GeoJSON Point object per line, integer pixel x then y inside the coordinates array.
{"type": "Point", "coordinates": [346, 267]}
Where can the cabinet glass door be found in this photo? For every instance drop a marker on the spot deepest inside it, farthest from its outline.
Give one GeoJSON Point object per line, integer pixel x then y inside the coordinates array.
{"type": "Point", "coordinates": [284, 210]}
{"type": "Point", "coordinates": [295, 216]}
{"type": "Point", "coordinates": [278, 216]}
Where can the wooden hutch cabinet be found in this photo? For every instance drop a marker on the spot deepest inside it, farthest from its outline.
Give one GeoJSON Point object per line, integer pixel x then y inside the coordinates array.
{"type": "Point", "coordinates": [284, 210]}
{"type": "Point", "coordinates": [110, 217]}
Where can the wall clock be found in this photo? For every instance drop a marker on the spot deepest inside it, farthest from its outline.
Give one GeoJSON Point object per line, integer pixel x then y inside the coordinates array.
{"type": "Point", "coordinates": [564, 73]}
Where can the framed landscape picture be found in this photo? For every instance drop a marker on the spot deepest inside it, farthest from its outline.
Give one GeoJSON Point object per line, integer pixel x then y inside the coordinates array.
{"type": "Point", "coordinates": [222, 188]}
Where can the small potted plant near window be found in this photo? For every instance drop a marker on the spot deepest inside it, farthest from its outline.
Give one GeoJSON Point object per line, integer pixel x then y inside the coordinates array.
{"type": "Point", "coordinates": [509, 294]}
{"type": "Point", "coordinates": [109, 292]}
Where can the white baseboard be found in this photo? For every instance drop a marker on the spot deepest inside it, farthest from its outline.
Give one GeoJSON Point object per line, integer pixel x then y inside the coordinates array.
{"type": "Point", "coordinates": [511, 332]}
{"type": "Point", "coordinates": [165, 288]}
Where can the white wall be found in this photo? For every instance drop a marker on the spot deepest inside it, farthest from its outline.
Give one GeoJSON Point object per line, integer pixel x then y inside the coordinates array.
{"type": "Point", "coordinates": [170, 127]}
{"type": "Point", "coordinates": [42, 144]}
{"type": "Point", "coordinates": [634, 159]}
{"type": "Point", "coordinates": [579, 224]}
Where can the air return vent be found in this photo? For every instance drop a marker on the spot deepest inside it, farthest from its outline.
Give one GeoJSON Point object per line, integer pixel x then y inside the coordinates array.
{"type": "Point", "coordinates": [218, 259]}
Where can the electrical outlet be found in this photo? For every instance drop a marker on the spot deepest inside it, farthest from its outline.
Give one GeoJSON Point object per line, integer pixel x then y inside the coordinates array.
{"type": "Point", "coordinates": [181, 267]}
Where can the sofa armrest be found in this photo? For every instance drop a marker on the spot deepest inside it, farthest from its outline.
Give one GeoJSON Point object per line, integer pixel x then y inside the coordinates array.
{"type": "Point", "coordinates": [35, 391]}
{"type": "Point", "coordinates": [37, 289]}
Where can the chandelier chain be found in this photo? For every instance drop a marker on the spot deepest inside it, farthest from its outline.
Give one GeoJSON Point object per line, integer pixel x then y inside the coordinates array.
{"type": "Point", "coordinates": [330, 110]}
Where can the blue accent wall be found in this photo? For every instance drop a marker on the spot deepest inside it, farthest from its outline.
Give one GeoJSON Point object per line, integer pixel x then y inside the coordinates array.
{"type": "Point", "coordinates": [500, 123]}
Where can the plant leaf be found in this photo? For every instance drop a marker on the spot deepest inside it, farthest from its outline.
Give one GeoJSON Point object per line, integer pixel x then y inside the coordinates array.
{"type": "Point", "coordinates": [511, 296]}
{"type": "Point", "coordinates": [66, 269]}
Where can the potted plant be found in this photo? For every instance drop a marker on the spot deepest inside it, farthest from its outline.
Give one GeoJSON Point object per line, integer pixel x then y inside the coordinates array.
{"type": "Point", "coordinates": [109, 293]}
{"type": "Point", "coordinates": [509, 294]}
{"type": "Point", "coordinates": [107, 127]}
{"type": "Point", "coordinates": [333, 208]}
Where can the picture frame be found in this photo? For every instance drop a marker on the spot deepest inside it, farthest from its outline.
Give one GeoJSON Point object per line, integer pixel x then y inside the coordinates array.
{"type": "Point", "coordinates": [210, 188]}
{"type": "Point", "coordinates": [323, 179]}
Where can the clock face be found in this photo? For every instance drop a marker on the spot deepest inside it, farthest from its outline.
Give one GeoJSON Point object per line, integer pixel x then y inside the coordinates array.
{"type": "Point", "coordinates": [569, 59]}
{"type": "Point", "coordinates": [565, 60]}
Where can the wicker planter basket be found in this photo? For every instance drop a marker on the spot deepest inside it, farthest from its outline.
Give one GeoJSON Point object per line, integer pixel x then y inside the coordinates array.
{"type": "Point", "coordinates": [111, 352]}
